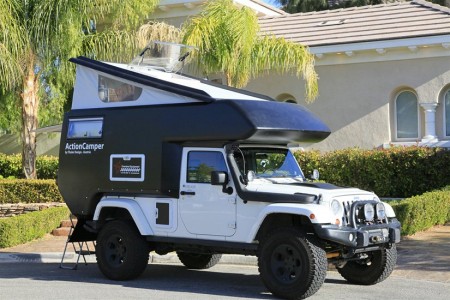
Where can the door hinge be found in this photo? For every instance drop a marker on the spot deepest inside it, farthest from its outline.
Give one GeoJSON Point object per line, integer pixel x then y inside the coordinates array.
{"type": "Point", "coordinates": [232, 200]}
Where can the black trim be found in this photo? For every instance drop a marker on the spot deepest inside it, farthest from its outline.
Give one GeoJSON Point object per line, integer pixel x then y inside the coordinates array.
{"type": "Point", "coordinates": [211, 245]}
{"type": "Point", "coordinates": [143, 79]}
{"type": "Point", "coordinates": [246, 195]}
{"type": "Point", "coordinates": [319, 185]}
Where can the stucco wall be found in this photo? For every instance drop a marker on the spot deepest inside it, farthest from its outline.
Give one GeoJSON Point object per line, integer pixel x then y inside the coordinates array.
{"type": "Point", "coordinates": [356, 100]}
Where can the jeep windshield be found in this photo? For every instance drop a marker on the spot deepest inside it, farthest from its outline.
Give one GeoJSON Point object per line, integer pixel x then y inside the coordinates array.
{"type": "Point", "coordinates": [268, 163]}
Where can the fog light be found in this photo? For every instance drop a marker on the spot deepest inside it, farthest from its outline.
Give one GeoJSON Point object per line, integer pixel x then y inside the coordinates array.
{"type": "Point", "coordinates": [369, 212]}
{"type": "Point", "coordinates": [350, 237]}
{"type": "Point", "coordinates": [381, 212]}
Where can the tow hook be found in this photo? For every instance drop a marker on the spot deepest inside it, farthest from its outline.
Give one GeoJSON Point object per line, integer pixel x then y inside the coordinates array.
{"type": "Point", "coordinates": [376, 239]}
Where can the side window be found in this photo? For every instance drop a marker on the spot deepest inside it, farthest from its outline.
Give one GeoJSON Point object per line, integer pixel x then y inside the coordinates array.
{"type": "Point", "coordinates": [111, 90]}
{"type": "Point", "coordinates": [85, 128]}
{"type": "Point", "coordinates": [447, 113]}
{"type": "Point", "coordinates": [202, 163]}
{"type": "Point", "coordinates": [407, 116]}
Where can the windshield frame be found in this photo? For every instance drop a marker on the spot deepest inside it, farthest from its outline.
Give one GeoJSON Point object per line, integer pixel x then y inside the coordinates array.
{"type": "Point", "coordinates": [275, 167]}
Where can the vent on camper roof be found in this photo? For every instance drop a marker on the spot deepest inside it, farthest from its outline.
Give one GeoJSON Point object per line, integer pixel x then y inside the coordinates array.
{"type": "Point", "coordinates": [332, 22]}
{"type": "Point", "coordinates": [169, 57]}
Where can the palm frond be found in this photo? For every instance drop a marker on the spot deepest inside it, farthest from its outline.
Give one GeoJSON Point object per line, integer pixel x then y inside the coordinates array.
{"type": "Point", "coordinates": [111, 45]}
{"type": "Point", "coordinates": [158, 31]}
{"type": "Point", "coordinates": [282, 56]}
{"type": "Point", "coordinates": [228, 40]}
{"type": "Point", "coordinates": [13, 43]}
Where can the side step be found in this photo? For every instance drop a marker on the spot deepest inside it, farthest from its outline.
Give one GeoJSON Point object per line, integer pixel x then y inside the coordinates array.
{"type": "Point", "coordinates": [80, 240]}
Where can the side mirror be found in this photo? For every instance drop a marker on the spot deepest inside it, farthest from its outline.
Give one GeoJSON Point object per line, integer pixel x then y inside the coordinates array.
{"type": "Point", "coordinates": [219, 178]}
{"type": "Point", "coordinates": [315, 175]}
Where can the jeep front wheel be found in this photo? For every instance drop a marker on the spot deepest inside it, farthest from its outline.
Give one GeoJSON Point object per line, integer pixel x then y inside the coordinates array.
{"type": "Point", "coordinates": [374, 269]}
{"type": "Point", "coordinates": [198, 261]}
{"type": "Point", "coordinates": [122, 253]}
{"type": "Point", "coordinates": [291, 264]}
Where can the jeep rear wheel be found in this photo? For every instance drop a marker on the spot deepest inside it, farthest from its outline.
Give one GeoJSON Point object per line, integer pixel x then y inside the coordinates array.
{"type": "Point", "coordinates": [122, 253]}
{"type": "Point", "coordinates": [374, 269]}
{"type": "Point", "coordinates": [291, 264]}
{"type": "Point", "coordinates": [198, 261]}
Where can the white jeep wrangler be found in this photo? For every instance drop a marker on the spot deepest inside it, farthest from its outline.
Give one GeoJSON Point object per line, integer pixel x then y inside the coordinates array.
{"type": "Point", "coordinates": [156, 161]}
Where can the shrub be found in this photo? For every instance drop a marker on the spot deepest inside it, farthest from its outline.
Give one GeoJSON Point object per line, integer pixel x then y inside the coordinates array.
{"type": "Point", "coordinates": [29, 191]}
{"type": "Point", "coordinates": [25, 228]}
{"type": "Point", "coordinates": [419, 213]}
{"type": "Point", "coordinates": [11, 166]}
{"type": "Point", "coordinates": [47, 167]}
{"type": "Point", "coordinates": [394, 172]}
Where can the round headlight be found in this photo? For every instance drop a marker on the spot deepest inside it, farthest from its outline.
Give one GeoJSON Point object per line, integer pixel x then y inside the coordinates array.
{"type": "Point", "coordinates": [369, 212]}
{"type": "Point", "coordinates": [381, 212]}
{"type": "Point", "coordinates": [336, 208]}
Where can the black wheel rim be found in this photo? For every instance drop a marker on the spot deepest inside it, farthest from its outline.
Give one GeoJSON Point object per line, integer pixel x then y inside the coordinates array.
{"type": "Point", "coordinates": [115, 250]}
{"type": "Point", "coordinates": [286, 263]}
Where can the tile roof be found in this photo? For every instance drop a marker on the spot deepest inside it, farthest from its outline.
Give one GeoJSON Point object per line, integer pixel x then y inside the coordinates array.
{"type": "Point", "coordinates": [399, 20]}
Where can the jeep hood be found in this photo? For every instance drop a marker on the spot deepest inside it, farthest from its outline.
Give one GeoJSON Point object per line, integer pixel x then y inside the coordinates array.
{"type": "Point", "coordinates": [325, 189]}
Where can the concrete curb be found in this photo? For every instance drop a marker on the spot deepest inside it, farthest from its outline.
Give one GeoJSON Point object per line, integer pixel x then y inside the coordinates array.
{"type": "Point", "coordinates": [71, 258]}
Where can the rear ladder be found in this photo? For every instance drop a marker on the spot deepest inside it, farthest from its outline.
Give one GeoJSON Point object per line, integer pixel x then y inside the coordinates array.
{"type": "Point", "coordinates": [80, 239]}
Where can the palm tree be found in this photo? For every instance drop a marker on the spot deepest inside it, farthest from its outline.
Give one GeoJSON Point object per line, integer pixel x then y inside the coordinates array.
{"type": "Point", "coordinates": [229, 41]}
{"type": "Point", "coordinates": [36, 39]}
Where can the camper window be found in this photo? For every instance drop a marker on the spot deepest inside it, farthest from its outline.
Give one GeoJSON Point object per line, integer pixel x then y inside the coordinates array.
{"type": "Point", "coordinates": [111, 90]}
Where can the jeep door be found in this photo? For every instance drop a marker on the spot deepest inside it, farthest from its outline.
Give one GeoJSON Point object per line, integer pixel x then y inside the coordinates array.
{"type": "Point", "coordinates": [205, 209]}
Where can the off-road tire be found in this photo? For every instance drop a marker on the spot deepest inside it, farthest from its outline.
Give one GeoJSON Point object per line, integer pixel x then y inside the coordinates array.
{"type": "Point", "coordinates": [291, 264]}
{"type": "Point", "coordinates": [122, 253]}
{"type": "Point", "coordinates": [197, 261]}
{"type": "Point", "coordinates": [377, 268]}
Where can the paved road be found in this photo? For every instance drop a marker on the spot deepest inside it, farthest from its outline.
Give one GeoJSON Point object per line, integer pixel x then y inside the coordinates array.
{"type": "Point", "coordinates": [173, 281]}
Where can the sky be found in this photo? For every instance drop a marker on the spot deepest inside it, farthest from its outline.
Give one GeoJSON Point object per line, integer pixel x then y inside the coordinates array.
{"type": "Point", "coordinates": [271, 2]}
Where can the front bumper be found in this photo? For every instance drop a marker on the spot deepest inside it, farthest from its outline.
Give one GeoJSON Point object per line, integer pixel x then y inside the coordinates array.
{"type": "Point", "coordinates": [362, 236]}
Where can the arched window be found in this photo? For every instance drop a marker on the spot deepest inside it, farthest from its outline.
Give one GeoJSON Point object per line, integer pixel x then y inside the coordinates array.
{"type": "Point", "coordinates": [407, 116]}
{"type": "Point", "coordinates": [447, 113]}
{"type": "Point", "coordinates": [286, 98]}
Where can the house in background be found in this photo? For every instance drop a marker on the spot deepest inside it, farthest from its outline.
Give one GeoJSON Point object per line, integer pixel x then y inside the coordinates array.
{"type": "Point", "coordinates": [384, 70]}
{"type": "Point", "coordinates": [384, 73]}
{"type": "Point", "coordinates": [176, 12]}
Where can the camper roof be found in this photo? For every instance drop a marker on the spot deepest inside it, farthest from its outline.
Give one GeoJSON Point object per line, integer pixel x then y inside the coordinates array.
{"type": "Point", "coordinates": [100, 84]}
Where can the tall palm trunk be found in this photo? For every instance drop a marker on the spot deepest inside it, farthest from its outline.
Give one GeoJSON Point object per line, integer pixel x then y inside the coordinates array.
{"type": "Point", "coordinates": [30, 103]}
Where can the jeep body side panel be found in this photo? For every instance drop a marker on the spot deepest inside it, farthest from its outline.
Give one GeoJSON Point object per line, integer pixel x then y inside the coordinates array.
{"type": "Point", "coordinates": [131, 206]}
{"type": "Point", "coordinates": [322, 215]}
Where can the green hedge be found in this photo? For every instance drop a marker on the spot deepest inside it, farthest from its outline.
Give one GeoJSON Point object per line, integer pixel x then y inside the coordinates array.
{"type": "Point", "coordinates": [395, 172]}
{"type": "Point", "coordinates": [25, 228]}
{"type": "Point", "coordinates": [419, 213]}
{"type": "Point", "coordinates": [11, 166]}
{"type": "Point", "coordinates": [29, 191]}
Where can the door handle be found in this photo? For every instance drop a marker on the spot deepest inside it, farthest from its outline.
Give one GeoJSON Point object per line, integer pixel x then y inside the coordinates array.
{"type": "Point", "coordinates": [183, 193]}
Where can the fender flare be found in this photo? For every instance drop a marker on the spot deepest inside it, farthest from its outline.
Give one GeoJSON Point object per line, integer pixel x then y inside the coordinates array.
{"type": "Point", "coordinates": [132, 207]}
{"type": "Point", "coordinates": [390, 213]}
{"type": "Point", "coordinates": [322, 215]}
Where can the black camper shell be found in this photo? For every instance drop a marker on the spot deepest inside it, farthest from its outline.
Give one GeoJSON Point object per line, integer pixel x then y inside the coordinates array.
{"type": "Point", "coordinates": [136, 149]}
